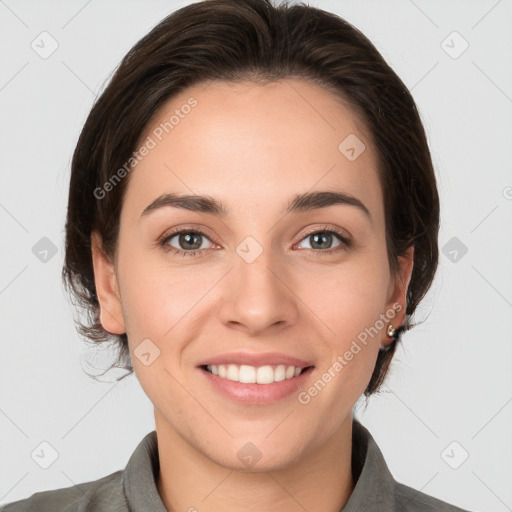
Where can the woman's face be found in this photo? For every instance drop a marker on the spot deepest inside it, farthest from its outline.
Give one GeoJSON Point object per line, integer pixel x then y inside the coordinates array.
{"type": "Point", "coordinates": [256, 281]}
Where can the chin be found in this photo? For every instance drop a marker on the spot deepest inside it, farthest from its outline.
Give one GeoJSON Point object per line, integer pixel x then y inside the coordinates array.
{"type": "Point", "coordinates": [256, 456]}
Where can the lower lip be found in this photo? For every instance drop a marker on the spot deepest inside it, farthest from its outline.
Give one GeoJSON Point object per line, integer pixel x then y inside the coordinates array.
{"type": "Point", "coordinates": [257, 394]}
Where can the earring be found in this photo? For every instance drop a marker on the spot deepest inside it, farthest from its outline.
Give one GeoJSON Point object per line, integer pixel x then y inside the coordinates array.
{"type": "Point", "coordinates": [391, 332]}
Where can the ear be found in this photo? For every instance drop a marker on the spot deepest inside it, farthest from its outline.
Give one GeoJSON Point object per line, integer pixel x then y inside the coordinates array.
{"type": "Point", "coordinates": [107, 289]}
{"type": "Point", "coordinates": [397, 295]}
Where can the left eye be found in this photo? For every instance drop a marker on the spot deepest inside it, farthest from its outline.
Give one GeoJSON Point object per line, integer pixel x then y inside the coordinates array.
{"type": "Point", "coordinates": [322, 238]}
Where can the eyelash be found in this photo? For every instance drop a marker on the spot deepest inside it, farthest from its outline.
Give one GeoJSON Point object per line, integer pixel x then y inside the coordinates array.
{"type": "Point", "coordinates": [345, 243]}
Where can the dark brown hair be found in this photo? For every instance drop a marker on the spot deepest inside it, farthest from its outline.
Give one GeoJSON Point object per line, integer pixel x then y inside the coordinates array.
{"type": "Point", "coordinates": [251, 40]}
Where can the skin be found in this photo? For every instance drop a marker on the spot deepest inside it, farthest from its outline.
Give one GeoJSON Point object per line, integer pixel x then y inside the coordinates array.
{"type": "Point", "coordinates": [253, 147]}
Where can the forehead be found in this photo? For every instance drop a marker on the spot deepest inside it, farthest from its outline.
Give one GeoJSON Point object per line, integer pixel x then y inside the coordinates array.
{"type": "Point", "coordinates": [249, 144]}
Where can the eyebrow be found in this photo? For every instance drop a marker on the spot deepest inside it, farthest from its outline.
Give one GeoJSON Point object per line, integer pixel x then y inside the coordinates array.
{"type": "Point", "coordinates": [299, 203]}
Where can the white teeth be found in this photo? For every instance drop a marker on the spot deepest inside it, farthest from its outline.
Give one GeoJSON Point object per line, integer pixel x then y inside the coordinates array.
{"type": "Point", "coordinates": [280, 373]}
{"type": "Point", "coordinates": [265, 375]}
{"type": "Point", "coordinates": [247, 374]}
{"type": "Point", "coordinates": [233, 372]}
{"type": "Point", "coordinates": [252, 374]}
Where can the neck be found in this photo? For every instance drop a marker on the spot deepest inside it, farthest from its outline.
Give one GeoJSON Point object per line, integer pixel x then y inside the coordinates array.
{"type": "Point", "coordinates": [190, 481]}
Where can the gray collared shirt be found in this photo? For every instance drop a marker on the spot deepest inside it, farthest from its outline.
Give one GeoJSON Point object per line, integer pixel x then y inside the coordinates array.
{"type": "Point", "coordinates": [134, 489]}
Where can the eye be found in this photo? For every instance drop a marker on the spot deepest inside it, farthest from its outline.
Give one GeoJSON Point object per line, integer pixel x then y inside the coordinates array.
{"type": "Point", "coordinates": [186, 238]}
{"type": "Point", "coordinates": [320, 240]}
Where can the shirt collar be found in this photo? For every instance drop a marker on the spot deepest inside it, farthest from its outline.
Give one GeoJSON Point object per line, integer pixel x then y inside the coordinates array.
{"type": "Point", "coordinates": [140, 477]}
{"type": "Point", "coordinates": [374, 484]}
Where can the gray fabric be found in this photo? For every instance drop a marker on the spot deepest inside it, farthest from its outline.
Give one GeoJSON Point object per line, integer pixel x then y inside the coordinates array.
{"type": "Point", "coordinates": [135, 490]}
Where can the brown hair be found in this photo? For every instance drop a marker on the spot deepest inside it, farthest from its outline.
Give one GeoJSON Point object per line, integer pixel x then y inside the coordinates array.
{"type": "Point", "coordinates": [251, 40]}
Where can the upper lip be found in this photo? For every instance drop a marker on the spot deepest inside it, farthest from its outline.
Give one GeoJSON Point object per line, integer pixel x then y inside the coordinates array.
{"type": "Point", "coordinates": [252, 359]}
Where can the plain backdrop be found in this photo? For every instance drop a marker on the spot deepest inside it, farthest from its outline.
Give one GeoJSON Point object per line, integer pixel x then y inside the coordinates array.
{"type": "Point", "coordinates": [444, 420]}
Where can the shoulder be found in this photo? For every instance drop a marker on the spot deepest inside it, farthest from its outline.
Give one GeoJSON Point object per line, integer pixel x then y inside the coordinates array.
{"type": "Point", "coordinates": [103, 494]}
{"type": "Point", "coordinates": [411, 500]}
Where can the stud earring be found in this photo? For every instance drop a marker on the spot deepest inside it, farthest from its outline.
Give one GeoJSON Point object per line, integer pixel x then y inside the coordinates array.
{"type": "Point", "coordinates": [391, 332]}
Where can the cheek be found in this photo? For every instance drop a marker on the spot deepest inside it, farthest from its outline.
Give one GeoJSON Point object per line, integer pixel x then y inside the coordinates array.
{"type": "Point", "coordinates": [350, 300]}
{"type": "Point", "coordinates": [351, 297]}
{"type": "Point", "coordinates": [155, 295]}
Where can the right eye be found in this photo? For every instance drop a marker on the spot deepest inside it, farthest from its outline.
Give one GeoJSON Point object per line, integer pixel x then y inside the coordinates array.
{"type": "Point", "coordinates": [187, 238]}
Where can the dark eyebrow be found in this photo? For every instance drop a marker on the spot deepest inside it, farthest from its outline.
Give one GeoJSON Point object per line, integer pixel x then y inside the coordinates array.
{"type": "Point", "coordinates": [315, 200]}
{"type": "Point", "coordinates": [300, 203]}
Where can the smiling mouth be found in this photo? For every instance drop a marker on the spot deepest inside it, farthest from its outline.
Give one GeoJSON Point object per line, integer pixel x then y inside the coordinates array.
{"type": "Point", "coordinates": [247, 374]}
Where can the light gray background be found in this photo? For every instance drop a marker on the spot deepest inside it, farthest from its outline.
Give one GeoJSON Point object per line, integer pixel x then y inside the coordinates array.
{"type": "Point", "coordinates": [451, 381]}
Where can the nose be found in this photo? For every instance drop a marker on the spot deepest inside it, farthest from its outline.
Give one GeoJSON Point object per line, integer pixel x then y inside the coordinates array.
{"type": "Point", "coordinates": [259, 295]}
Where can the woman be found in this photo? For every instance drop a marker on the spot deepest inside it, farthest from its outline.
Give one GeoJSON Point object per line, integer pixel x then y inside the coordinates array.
{"type": "Point", "coordinates": [253, 217]}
